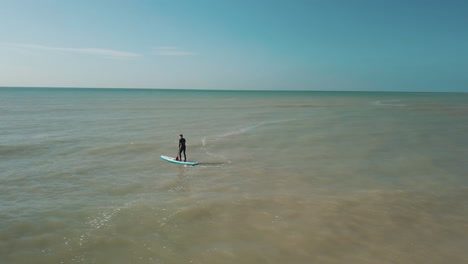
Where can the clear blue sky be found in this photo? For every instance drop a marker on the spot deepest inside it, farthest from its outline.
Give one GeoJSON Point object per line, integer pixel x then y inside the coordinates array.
{"type": "Point", "coordinates": [370, 45]}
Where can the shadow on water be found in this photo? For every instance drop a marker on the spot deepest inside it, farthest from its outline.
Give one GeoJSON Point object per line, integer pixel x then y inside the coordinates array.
{"type": "Point", "coordinates": [211, 163]}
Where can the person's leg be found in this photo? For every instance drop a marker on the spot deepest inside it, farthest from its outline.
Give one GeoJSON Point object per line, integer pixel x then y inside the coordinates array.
{"type": "Point", "coordinates": [185, 156]}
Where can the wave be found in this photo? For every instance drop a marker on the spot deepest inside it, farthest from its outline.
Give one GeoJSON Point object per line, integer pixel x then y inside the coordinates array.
{"type": "Point", "coordinates": [244, 130]}
{"type": "Point", "coordinates": [235, 132]}
{"type": "Point", "coordinates": [388, 103]}
{"type": "Point", "coordinates": [12, 150]}
{"type": "Point", "coordinates": [122, 148]}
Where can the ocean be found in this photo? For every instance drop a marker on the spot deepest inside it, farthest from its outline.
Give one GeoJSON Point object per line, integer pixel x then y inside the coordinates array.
{"type": "Point", "coordinates": [284, 177]}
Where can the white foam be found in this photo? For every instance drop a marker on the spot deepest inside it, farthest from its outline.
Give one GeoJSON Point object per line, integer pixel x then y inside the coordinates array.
{"type": "Point", "coordinates": [204, 148]}
{"type": "Point", "coordinates": [387, 103]}
{"type": "Point", "coordinates": [237, 132]}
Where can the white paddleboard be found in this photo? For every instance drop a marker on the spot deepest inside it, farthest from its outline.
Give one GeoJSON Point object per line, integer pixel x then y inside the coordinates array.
{"type": "Point", "coordinates": [171, 159]}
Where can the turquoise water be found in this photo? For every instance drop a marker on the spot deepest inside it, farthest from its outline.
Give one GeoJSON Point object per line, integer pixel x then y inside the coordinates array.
{"type": "Point", "coordinates": [284, 177]}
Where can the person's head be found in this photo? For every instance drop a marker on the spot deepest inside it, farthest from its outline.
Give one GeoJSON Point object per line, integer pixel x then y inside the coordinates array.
{"type": "Point", "coordinates": [181, 136]}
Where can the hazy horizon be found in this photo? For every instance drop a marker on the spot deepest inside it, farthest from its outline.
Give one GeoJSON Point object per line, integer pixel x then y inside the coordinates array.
{"type": "Point", "coordinates": [220, 90]}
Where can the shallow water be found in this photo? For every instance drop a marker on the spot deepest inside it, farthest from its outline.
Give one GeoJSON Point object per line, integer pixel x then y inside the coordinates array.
{"type": "Point", "coordinates": [284, 177]}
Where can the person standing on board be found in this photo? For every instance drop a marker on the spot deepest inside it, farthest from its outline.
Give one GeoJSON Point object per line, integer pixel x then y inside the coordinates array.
{"type": "Point", "coordinates": [182, 148]}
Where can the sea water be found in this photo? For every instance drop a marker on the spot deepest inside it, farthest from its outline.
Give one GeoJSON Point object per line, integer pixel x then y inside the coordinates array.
{"type": "Point", "coordinates": [284, 177]}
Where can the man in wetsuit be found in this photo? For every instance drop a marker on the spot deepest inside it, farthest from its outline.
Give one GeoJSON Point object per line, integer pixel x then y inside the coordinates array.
{"type": "Point", "coordinates": [182, 148]}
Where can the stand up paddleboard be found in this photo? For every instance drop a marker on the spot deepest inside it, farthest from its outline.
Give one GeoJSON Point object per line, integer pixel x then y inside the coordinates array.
{"type": "Point", "coordinates": [171, 159]}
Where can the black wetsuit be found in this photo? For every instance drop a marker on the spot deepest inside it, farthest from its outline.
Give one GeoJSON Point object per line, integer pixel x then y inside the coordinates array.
{"type": "Point", "coordinates": [182, 149]}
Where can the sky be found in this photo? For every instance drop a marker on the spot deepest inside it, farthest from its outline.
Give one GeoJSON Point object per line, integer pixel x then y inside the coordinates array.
{"type": "Point", "coordinates": [325, 45]}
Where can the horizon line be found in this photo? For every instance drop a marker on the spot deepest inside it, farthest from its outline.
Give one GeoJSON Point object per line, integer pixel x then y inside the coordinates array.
{"type": "Point", "coordinates": [223, 90]}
